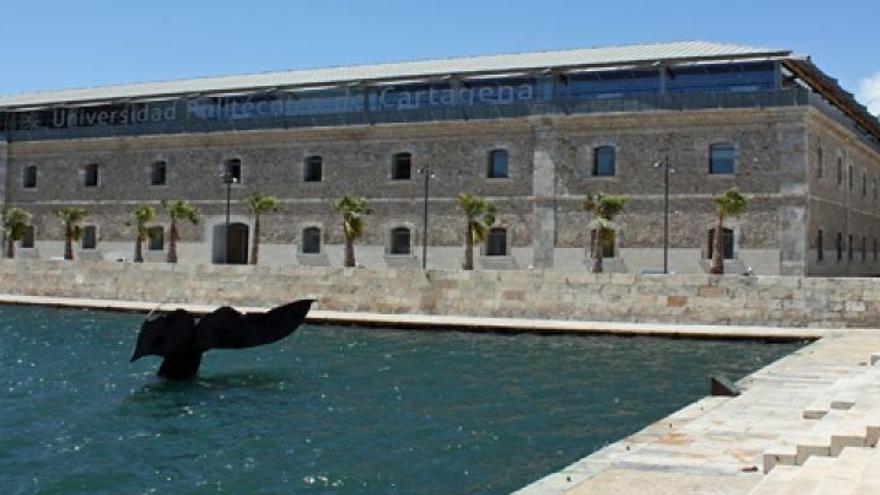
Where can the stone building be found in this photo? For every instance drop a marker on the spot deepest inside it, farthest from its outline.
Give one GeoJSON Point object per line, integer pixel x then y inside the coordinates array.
{"type": "Point", "coordinates": [533, 132]}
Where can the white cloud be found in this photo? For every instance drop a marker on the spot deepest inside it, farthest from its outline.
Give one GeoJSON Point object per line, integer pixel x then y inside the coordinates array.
{"type": "Point", "coordinates": [869, 93]}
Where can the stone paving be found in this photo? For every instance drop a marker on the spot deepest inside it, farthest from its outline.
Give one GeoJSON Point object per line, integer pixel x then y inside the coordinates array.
{"type": "Point", "coordinates": [724, 445]}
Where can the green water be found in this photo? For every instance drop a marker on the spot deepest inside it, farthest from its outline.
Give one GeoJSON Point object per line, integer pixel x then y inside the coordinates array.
{"type": "Point", "coordinates": [330, 410]}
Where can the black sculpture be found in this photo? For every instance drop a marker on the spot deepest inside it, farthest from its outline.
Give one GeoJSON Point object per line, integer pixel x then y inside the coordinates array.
{"type": "Point", "coordinates": [182, 340]}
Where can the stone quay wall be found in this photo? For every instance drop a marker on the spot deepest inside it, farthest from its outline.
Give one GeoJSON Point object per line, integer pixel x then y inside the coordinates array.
{"type": "Point", "coordinates": [549, 294]}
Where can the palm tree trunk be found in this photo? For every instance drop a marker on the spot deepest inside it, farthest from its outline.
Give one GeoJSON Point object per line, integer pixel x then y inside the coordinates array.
{"type": "Point", "coordinates": [598, 251]}
{"type": "Point", "coordinates": [10, 247]}
{"type": "Point", "coordinates": [255, 252]}
{"type": "Point", "coordinates": [68, 243]}
{"type": "Point", "coordinates": [717, 267]}
{"type": "Point", "coordinates": [469, 247]}
{"type": "Point", "coordinates": [172, 243]}
{"type": "Point", "coordinates": [138, 250]}
{"type": "Point", "coordinates": [349, 251]}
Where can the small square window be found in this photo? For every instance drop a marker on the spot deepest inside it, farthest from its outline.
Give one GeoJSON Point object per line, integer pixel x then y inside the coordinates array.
{"type": "Point", "coordinates": [29, 180]}
{"type": "Point", "coordinates": [90, 176]}
{"type": "Point", "coordinates": [722, 158]}
{"type": "Point", "coordinates": [313, 169]}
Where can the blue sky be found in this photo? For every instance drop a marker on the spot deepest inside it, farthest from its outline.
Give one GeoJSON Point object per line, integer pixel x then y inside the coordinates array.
{"type": "Point", "coordinates": [60, 44]}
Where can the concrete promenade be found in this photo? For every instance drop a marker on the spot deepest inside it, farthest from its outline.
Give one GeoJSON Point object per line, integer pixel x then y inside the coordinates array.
{"type": "Point", "coordinates": [467, 323]}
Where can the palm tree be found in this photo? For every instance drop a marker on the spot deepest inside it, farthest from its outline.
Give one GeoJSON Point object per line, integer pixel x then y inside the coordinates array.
{"type": "Point", "coordinates": [71, 216]}
{"type": "Point", "coordinates": [605, 208]}
{"type": "Point", "coordinates": [143, 215]}
{"type": "Point", "coordinates": [178, 210]}
{"type": "Point", "coordinates": [480, 214]}
{"type": "Point", "coordinates": [730, 203]}
{"type": "Point", "coordinates": [259, 205]}
{"type": "Point", "coordinates": [15, 222]}
{"type": "Point", "coordinates": [353, 210]}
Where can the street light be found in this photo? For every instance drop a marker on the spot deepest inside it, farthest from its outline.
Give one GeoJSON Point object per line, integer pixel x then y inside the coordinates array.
{"type": "Point", "coordinates": [229, 179]}
{"type": "Point", "coordinates": [426, 172]}
{"type": "Point", "coordinates": [666, 171]}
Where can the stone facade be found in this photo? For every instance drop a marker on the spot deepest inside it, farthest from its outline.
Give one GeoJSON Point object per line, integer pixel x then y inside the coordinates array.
{"type": "Point", "coordinates": [543, 294]}
{"type": "Point", "coordinates": [539, 205]}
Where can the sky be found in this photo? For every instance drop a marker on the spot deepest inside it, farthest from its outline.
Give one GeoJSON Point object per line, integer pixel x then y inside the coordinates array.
{"type": "Point", "coordinates": [63, 44]}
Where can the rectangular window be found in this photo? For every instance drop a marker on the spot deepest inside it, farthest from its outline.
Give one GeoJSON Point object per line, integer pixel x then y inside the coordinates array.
{"type": "Point", "coordinates": [29, 180]}
{"type": "Point", "coordinates": [820, 162]}
{"type": "Point", "coordinates": [311, 240]}
{"type": "Point", "coordinates": [400, 241]}
{"type": "Point", "coordinates": [603, 161]}
{"type": "Point", "coordinates": [839, 171]}
{"type": "Point", "coordinates": [158, 174]}
{"type": "Point", "coordinates": [850, 179]}
{"type": "Point", "coordinates": [496, 244]}
{"type": "Point", "coordinates": [401, 166]}
{"type": "Point", "coordinates": [232, 171]}
{"type": "Point", "coordinates": [864, 249]}
{"type": "Point", "coordinates": [820, 246]}
{"type": "Point", "coordinates": [875, 249]}
{"type": "Point", "coordinates": [864, 184]}
{"type": "Point", "coordinates": [313, 169]}
{"type": "Point", "coordinates": [498, 164]}
{"type": "Point", "coordinates": [722, 158]}
{"type": "Point", "coordinates": [89, 237]}
{"type": "Point", "coordinates": [90, 177]}
{"type": "Point", "coordinates": [156, 238]}
{"type": "Point", "coordinates": [29, 239]}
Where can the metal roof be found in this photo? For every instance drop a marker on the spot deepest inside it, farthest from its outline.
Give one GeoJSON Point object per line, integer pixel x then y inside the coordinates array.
{"type": "Point", "coordinates": [607, 56]}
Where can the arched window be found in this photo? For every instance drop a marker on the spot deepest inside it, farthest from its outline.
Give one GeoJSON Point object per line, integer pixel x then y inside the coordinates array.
{"type": "Point", "coordinates": [89, 239]}
{"type": "Point", "coordinates": [156, 238]}
{"type": "Point", "coordinates": [311, 240]}
{"type": "Point", "coordinates": [313, 169]}
{"type": "Point", "coordinates": [29, 179]}
{"type": "Point", "coordinates": [401, 166]}
{"type": "Point", "coordinates": [400, 241]}
{"type": "Point", "coordinates": [496, 242]}
{"type": "Point", "coordinates": [498, 164]}
{"type": "Point", "coordinates": [232, 169]}
{"type": "Point", "coordinates": [722, 158]}
{"type": "Point", "coordinates": [158, 173]}
{"type": "Point", "coordinates": [727, 242]}
{"type": "Point", "coordinates": [90, 175]}
{"type": "Point", "coordinates": [604, 161]}
{"type": "Point", "coordinates": [608, 241]}
{"type": "Point", "coordinates": [28, 241]}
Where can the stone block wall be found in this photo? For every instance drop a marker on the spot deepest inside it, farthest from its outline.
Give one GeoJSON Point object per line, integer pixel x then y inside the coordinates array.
{"type": "Point", "coordinates": [551, 294]}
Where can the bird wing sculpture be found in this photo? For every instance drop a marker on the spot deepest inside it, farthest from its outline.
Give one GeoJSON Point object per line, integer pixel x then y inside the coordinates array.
{"type": "Point", "coordinates": [181, 340]}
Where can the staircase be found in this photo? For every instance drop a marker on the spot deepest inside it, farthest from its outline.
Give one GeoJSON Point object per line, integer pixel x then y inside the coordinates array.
{"type": "Point", "coordinates": [836, 451]}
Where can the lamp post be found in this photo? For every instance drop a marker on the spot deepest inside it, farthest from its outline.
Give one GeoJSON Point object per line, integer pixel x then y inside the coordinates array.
{"type": "Point", "coordinates": [426, 172]}
{"type": "Point", "coordinates": [228, 179]}
{"type": "Point", "coordinates": [666, 171]}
